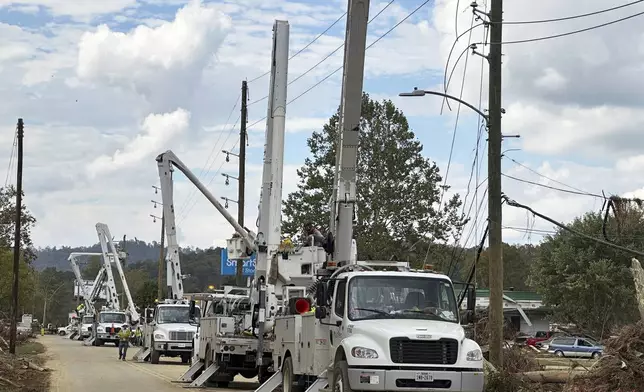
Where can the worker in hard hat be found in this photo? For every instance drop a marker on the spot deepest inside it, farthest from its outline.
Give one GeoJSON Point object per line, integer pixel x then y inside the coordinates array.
{"type": "Point", "coordinates": [124, 341]}
{"type": "Point", "coordinates": [137, 336]}
{"type": "Point", "coordinates": [312, 231]}
{"type": "Point", "coordinates": [80, 308]}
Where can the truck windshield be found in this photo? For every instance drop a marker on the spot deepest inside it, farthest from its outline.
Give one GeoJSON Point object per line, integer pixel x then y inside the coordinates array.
{"type": "Point", "coordinates": [401, 297]}
{"type": "Point", "coordinates": [117, 318]}
{"type": "Point", "coordinates": [174, 314]}
{"type": "Point", "coordinates": [88, 320]}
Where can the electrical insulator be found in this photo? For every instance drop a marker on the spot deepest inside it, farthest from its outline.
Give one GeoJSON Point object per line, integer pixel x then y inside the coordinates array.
{"type": "Point", "coordinates": [227, 157]}
{"type": "Point", "coordinates": [226, 205]}
{"type": "Point", "coordinates": [227, 182]}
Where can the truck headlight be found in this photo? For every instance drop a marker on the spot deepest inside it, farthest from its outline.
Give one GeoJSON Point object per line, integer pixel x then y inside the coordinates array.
{"type": "Point", "coordinates": [364, 352]}
{"type": "Point", "coordinates": [159, 336]}
{"type": "Point", "coordinates": [474, 355]}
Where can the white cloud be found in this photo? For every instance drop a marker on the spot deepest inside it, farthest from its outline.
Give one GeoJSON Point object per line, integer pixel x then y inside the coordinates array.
{"type": "Point", "coordinates": [157, 131]}
{"type": "Point", "coordinates": [164, 63]}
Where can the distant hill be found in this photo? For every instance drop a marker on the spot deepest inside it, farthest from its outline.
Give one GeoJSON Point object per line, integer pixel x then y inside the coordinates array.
{"type": "Point", "coordinates": [137, 250]}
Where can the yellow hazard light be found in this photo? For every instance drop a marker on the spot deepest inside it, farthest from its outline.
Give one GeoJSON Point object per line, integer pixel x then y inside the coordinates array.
{"type": "Point", "coordinates": [428, 267]}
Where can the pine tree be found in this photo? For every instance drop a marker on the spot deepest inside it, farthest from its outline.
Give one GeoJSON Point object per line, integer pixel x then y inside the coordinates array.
{"type": "Point", "coordinates": [398, 189]}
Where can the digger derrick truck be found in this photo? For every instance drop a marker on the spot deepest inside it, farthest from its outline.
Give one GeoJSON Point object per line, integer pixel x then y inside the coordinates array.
{"type": "Point", "coordinates": [378, 331]}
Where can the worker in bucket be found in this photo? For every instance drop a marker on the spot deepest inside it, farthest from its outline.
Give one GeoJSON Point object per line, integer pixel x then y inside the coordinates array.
{"type": "Point", "coordinates": [312, 231]}
{"type": "Point", "coordinates": [124, 341]}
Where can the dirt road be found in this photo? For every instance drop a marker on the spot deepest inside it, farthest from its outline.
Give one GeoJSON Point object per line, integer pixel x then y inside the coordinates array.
{"type": "Point", "coordinates": [80, 368]}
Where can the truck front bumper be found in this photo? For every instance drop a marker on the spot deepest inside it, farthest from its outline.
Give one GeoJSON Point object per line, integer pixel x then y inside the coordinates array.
{"type": "Point", "coordinates": [107, 337]}
{"type": "Point", "coordinates": [173, 346]}
{"type": "Point", "coordinates": [470, 380]}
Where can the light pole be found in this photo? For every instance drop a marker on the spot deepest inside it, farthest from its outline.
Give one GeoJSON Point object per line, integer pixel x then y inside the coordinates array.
{"type": "Point", "coordinates": [422, 93]}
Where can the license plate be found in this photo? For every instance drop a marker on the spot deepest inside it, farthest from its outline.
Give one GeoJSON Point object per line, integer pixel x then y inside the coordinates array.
{"type": "Point", "coordinates": [181, 345]}
{"type": "Point", "coordinates": [424, 377]}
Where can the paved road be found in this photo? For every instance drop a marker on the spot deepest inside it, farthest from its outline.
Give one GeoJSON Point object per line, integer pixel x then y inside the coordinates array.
{"type": "Point", "coordinates": [97, 369]}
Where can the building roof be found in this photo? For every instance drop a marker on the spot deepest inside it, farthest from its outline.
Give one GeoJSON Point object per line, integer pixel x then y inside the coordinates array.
{"type": "Point", "coordinates": [515, 295]}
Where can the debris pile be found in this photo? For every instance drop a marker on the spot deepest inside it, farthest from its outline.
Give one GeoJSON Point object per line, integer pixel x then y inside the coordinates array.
{"type": "Point", "coordinates": [621, 368]}
{"type": "Point", "coordinates": [481, 333]}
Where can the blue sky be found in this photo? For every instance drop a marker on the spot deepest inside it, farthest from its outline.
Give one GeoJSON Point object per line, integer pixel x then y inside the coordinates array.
{"type": "Point", "coordinates": [106, 86]}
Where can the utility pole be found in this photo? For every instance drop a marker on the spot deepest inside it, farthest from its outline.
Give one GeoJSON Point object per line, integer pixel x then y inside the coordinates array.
{"type": "Point", "coordinates": [16, 244]}
{"type": "Point", "coordinates": [495, 138]}
{"type": "Point", "coordinates": [241, 177]}
{"type": "Point", "coordinates": [239, 273]}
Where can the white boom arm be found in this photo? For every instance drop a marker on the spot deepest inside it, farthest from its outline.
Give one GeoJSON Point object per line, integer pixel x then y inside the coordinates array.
{"type": "Point", "coordinates": [109, 250]}
{"type": "Point", "coordinates": [347, 143]}
{"type": "Point", "coordinates": [270, 216]}
{"type": "Point", "coordinates": [88, 298]}
{"type": "Point", "coordinates": [166, 161]}
{"type": "Point", "coordinates": [174, 278]}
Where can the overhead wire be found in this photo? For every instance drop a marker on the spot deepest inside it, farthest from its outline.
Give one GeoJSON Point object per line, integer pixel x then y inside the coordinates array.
{"type": "Point", "coordinates": [561, 19]}
{"type": "Point", "coordinates": [325, 58]}
{"type": "Point", "coordinates": [543, 175]}
{"type": "Point", "coordinates": [11, 158]}
{"type": "Point", "coordinates": [522, 41]}
{"type": "Point", "coordinates": [319, 82]}
{"type": "Point", "coordinates": [187, 212]}
{"type": "Point", "coordinates": [553, 187]}
{"type": "Point", "coordinates": [206, 167]}
{"type": "Point", "coordinates": [304, 47]}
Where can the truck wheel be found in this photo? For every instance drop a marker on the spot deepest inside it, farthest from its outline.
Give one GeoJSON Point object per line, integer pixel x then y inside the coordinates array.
{"type": "Point", "coordinates": [288, 377]}
{"type": "Point", "coordinates": [154, 354]}
{"type": "Point", "coordinates": [99, 342]}
{"type": "Point", "coordinates": [185, 358]}
{"type": "Point", "coordinates": [341, 377]}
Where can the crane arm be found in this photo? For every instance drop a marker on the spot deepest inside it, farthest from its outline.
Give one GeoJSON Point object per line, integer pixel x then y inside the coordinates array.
{"type": "Point", "coordinates": [110, 251]}
{"type": "Point", "coordinates": [88, 298]}
{"type": "Point", "coordinates": [166, 161]}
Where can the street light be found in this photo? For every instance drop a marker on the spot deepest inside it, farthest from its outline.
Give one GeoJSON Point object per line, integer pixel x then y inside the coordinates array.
{"type": "Point", "coordinates": [422, 93]}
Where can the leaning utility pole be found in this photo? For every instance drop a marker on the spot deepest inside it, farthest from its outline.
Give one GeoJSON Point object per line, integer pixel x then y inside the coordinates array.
{"type": "Point", "coordinates": [16, 243]}
{"type": "Point", "coordinates": [241, 181]}
{"type": "Point", "coordinates": [494, 186]}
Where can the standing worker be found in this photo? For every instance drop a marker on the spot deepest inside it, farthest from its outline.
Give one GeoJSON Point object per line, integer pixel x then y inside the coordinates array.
{"type": "Point", "coordinates": [137, 336]}
{"type": "Point", "coordinates": [124, 341]}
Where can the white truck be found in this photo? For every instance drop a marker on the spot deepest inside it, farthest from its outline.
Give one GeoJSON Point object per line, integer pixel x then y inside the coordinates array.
{"type": "Point", "coordinates": [377, 331]}
{"type": "Point", "coordinates": [86, 325]}
{"type": "Point", "coordinates": [108, 325]}
{"type": "Point", "coordinates": [170, 332]}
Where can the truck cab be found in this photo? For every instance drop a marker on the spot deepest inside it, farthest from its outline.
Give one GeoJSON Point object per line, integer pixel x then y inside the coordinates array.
{"type": "Point", "coordinates": [108, 326]}
{"type": "Point", "coordinates": [381, 331]}
{"type": "Point", "coordinates": [171, 332]}
{"type": "Point", "coordinates": [86, 326]}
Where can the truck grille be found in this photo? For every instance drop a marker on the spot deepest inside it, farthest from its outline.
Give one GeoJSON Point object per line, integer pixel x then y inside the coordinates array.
{"type": "Point", "coordinates": [429, 352]}
{"type": "Point", "coordinates": [182, 336]}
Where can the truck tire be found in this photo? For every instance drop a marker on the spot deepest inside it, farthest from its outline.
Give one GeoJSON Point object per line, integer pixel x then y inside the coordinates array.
{"type": "Point", "coordinates": [185, 358]}
{"type": "Point", "coordinates": [288, 376]}
{"type": "Point", "coordinates": [154, 354]}
{"type": "Point", "coordinates": [341, 377]}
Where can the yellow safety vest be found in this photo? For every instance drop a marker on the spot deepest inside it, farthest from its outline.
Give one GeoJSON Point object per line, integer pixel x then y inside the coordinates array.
{"type": "Point", "coordinates": [124, 335]}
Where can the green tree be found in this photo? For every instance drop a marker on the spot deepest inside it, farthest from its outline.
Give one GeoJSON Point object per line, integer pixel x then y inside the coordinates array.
{"type": "Point", "coordinates": [146, 294]}
{"type": "Point", "coordinates": [588, 283]}
{"type": "Point", "coordinates": [517, 262]}
{"type": "Point", "coordinates": [8, 221]}
{"type": "Point", "coordinates": [398, 190]}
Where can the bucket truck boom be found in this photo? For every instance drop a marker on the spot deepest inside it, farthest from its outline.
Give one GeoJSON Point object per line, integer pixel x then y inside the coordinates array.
{"type": "Point", "coordinates": [87, 318]}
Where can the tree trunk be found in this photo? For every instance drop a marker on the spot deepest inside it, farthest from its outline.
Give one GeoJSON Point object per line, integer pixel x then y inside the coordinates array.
{"type": "Point", "coordinates": [552, 376]}
{"type": "Point", "coordinates": [638, 277]}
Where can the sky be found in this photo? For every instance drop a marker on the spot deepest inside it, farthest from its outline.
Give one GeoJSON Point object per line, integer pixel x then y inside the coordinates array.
{"type": "Point", "coordinates": [105, 86]}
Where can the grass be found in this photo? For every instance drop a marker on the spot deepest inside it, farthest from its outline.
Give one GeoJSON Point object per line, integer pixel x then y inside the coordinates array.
{"type": "Point", "coordinates": [30, 348]}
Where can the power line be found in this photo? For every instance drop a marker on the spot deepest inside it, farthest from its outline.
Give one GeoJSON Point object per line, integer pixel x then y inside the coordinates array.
{"type": "Point", "coordinates": [309, 44]}
{"type": "Point", "coordinates": [214, 147]}
{"type": "Point", "coordinates": [319, 82]}
{"type": "Point", "coordinates": [544, 176]}
{"type": "Point", "coordinates": [513, 203]}
{"type": "Point", "coordinates": [573, 16]}
{"type": "Point", "coordinates": [11, 156]}
{"type": "Point", "coordinates": [326, 57]}
{"type": "Point", "coordinates": [554, 188]}
{"type": "Point", "coordinates": [522, 41]}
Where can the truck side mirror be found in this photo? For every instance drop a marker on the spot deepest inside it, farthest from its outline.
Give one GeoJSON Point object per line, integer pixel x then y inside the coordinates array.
{"type": "Point", "coordinates": [193, 311]}
{"type": "Point", "coordinates": [320, 313]}
{"type": "Point", "coordinates": [320, 294]}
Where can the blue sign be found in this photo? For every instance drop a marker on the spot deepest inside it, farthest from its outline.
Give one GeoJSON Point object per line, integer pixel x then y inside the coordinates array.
{"type": "Point", "coordinates": [229, 267]}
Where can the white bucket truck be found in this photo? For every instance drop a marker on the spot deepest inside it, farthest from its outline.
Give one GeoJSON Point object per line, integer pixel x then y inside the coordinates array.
{"type": "Point", "coordinates": [378, 331]}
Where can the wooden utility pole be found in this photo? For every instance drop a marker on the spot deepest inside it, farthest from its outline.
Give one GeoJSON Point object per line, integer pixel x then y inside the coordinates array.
{"type": "Point", "coordinates": [161, 261]}
{"type": "Point", "coordinates": [494, 186]}
{"type": "Point", "coordinates": [241, 180]}
{"type": "Point", "coordinates": [16, 244]}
